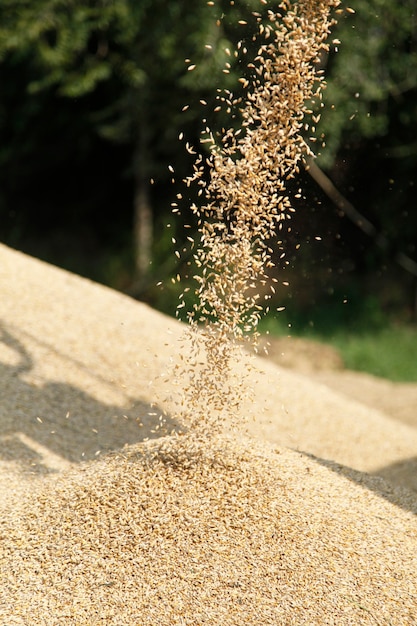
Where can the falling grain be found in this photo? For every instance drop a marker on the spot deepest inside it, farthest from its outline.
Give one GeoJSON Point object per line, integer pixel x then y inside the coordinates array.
{"type": "Point", "coordinates": [246, 201]}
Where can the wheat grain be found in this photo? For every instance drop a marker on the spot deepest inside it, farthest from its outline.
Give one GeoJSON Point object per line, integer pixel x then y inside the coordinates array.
{"type": "Point", "coordinates": [246, 198]}
{"type": "Point", "coordinates": [175, 531]}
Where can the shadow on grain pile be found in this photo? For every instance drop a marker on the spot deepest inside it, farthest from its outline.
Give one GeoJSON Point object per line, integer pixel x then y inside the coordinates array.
{"type": "Point", "coordinates": [383, 482]}
{"type": "Point", "coordinates": [184, 531]}
{"type": "Point", "coordinates": [63, 418]}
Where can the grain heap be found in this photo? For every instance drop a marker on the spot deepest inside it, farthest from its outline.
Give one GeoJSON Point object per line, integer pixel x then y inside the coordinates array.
{"type": "Point", "coordinates": [180, 530]}
{"type": "Point", "coordinates": [175, 532]}
{"type": "Point", "coordinates": [247, 201]}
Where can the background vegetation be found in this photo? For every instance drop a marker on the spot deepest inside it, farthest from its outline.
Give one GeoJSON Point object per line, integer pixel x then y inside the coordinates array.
{"type": "Point", "coordinates": [91, 108]}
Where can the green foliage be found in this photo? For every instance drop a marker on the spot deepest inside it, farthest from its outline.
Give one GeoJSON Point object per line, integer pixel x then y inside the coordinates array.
{"type": "Point", "coordinates": [73, 47]}
{"type": "Point", "coordinates": [374, 65]}
{"type": "Point", "coordinates": [67, 42]}
{"type": "Point", "coordinates": [86, 81]}
{"type": "Point", "coordinates": [374, 345]}
{"type": "Point", "coordinates": [388, 353]}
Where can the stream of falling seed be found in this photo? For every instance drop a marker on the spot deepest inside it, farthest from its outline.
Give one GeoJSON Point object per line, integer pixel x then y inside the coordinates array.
{"type": "Point", "coordinates": [245, 201]}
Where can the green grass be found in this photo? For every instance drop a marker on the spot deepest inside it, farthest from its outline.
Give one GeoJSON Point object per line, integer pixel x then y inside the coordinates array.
{"type": "Point", "coordinates": [385, 350]}
{"type": "Point", "coordinates": [390, 352]}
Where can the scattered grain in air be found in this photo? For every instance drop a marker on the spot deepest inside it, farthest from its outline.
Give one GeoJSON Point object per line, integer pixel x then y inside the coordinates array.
{"type": "Point", "coordinates": [186, 107]}
{"type": "Point", "coordinates": [171, 169]}
{"type": "Point", "coordinates": [350, 10]}
{"type": "Point", "coordinates": [39, 420]}
{"type": "Point", "coordinates": [208, 46]}
{"type": "Point", "coordinates": [190, 68]}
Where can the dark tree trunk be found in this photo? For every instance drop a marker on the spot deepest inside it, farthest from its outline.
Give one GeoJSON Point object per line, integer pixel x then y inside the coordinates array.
{"type": "Point", "coordinates": [142, 229]}
{"type": "Point", "coordinates": [142, 210]}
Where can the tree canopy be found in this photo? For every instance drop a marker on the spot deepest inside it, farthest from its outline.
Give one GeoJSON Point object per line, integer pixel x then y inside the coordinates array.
{"type": "Point", "coordinates": [92, 104]}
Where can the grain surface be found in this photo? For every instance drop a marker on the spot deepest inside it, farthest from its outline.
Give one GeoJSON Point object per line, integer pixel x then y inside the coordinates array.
{"type": "Point", "coordinates": [277, 522]}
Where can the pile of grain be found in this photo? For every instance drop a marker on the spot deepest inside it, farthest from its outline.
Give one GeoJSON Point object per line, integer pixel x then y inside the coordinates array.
{"type": "Point", "coordinates": [176, 530]}
{"type": "Point", "coordinates": [84, 370]}
{"type": "Point", "coordinates": [186, 532]}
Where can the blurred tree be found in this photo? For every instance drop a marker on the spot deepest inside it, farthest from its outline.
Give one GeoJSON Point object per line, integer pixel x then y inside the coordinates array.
{"type": "Point", "coordinates": [371, 112]}
{"type": "Point", "coordinates": [372, 70]}
{"type": "Point", "coordinates": [369, 128]}
{"type": "Point", "coordinates": [100, 73]}
{"type": "Point", "coordinates": [131, 57]}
